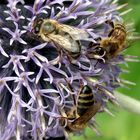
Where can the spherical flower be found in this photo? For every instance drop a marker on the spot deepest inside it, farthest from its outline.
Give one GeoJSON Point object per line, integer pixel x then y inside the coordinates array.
{"type": "Point", "coordinates": [38, 80]}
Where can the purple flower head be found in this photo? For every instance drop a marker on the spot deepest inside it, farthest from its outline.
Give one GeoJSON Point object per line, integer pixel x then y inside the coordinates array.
{"type": "Point", "coordinates": [38, 80]}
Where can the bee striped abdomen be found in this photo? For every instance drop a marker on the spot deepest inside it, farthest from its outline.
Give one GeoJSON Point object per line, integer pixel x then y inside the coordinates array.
{"type": "Point", "coordinates": [120, 27]}
{"type": "Point", "coordinates": [85, 100]}
{"type": "Point", "coordinates": [119, 34]}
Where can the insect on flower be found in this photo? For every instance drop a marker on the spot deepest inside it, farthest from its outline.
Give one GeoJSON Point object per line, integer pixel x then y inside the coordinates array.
{"type": "Point", "coordinates": [64, 37]}
{"type": "Point", "coordinates": [86, 107]}
{"type": "Point", "coordinates": [112, 45]}
{"type": "Point", "coordinates": [33, 103]}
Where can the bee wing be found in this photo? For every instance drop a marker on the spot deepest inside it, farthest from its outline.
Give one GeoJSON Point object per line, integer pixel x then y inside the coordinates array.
{"type": "Point", "coordinates": [89, 114]}
{"type": "Point", "coordinates": [76, 33]}
{"type": "Point", "coordinates": [65, 42]}
{"type": "Point", "coordinates": [130, 40]}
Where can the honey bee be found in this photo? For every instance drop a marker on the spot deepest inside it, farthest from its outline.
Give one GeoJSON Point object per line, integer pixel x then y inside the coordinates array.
{"type": "Point", "coordinates": [113, 44]}
{"type": "Point", "coordinates": [86, 107]}
{"type": "Point", "coordinates": [64, 37]}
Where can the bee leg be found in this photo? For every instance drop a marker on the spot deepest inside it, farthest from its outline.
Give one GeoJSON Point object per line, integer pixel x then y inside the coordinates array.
{"type": "Point", "coordinates": [110, 34]}
{"type": "Point", "coordinates": [110, 23]}
{"type": "Point", "coordinates": [92, 44]}
{"type": "Point", "coordinates": [98, 59]}
{"type": "Point", "coordinates": [70, 87]}
{"type": "Point", "coordinates": [98, 53]}
{"type": "Point", "coordinates": [60, 53]}
{"type": "Point", "coordinates": [71, 60]}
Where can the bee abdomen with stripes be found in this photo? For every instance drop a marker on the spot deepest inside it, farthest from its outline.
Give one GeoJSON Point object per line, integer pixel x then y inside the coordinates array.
{"type": "Point", "coordinates": [85, 100]}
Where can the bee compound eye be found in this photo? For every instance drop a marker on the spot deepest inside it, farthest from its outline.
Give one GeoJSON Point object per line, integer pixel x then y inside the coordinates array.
{"type": "Point", "coordinates": [36, 30]}
{"type": "Point", "coordinates": [37, 25]}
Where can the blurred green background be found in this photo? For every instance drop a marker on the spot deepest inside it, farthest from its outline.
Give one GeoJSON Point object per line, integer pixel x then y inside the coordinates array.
{"type": "Point", "coordinates": [125, 125]}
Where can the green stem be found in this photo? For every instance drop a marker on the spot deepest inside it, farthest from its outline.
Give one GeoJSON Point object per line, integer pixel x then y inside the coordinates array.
{"type": "Point", "coordinates": [128, 103]}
